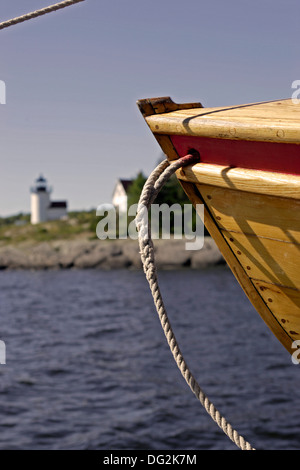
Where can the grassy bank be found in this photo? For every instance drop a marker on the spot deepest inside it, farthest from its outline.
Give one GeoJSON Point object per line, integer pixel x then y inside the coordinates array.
{"type": "Point", "coordinates": [17, 229]}
{"type": "Point", "coordinates": [73, 243]}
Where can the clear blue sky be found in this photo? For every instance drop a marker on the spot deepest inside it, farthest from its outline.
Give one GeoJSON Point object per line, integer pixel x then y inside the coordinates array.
{"type": "Point", "coordinates": [73, 78]}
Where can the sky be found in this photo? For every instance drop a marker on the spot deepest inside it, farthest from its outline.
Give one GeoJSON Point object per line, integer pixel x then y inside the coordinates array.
{"type": "Point", "coordinates": [73, 78]}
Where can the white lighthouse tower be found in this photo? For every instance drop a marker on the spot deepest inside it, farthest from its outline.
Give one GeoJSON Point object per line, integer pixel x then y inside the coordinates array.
{"type": "Point", "coordinates": [42, 209]}
{"type": "Point", "coordinates": [40, 201]}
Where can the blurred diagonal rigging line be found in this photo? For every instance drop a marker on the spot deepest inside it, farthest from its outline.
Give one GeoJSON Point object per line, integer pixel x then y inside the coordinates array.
{"type": "Point", "coordinates": [36, 13]}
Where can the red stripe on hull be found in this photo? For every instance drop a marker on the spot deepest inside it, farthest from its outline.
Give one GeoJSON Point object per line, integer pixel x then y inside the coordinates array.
{"type": "Point", "coordinates": [266, 156]}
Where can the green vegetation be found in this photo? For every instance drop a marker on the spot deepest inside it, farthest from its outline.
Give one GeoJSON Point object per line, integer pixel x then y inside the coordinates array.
{"type": "Point", "coordinates": [17, 229]}
{"type": "Point", "coordinates": [135, 189]}
{"type": "Point", "coordinates": [18, 219]}
{"type": "Point", "coordinates": [82, 224]}
{"type": "Point", "coordinates": [171, 193]}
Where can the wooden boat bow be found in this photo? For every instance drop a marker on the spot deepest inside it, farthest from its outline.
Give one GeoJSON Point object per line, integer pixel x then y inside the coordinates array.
{"type": "Point", "coordinates": [249, 183]}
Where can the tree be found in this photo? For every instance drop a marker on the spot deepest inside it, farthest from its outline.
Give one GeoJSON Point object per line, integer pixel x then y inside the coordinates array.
{"type": "Point", "coordinates": [171, 193]}
{"type": "Point", "coordinates": [135, 189]}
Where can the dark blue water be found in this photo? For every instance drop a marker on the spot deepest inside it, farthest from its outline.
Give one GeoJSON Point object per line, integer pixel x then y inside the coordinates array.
{"type": "Point", "coordinates": [88, 366]}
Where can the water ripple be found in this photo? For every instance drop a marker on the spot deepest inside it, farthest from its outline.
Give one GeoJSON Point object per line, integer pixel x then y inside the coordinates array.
{"type": "Point", "coordinates": [88, 366]}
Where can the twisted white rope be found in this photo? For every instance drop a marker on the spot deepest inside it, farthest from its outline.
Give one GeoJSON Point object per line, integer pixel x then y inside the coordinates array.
{"type": "Point", "coordinates": [151, 188]}
{"type": "Point", "coordinates": [42, 11]}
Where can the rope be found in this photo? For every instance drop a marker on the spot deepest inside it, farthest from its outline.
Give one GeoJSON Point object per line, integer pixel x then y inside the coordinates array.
{"type": "Point", "coordinates": [42, 11]}
{"type": "Point", "coordinates": [151, 188]}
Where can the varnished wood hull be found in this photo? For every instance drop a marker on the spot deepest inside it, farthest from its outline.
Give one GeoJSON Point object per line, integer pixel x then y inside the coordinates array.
{"type": "Point", "coordinates": [250, 189]}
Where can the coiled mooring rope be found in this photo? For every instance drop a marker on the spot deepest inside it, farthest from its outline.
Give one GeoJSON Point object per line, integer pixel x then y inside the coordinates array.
{"type": "Point", "coordinates": [151, 188]}
{"type": "Point", "coordinates": [36, 13]}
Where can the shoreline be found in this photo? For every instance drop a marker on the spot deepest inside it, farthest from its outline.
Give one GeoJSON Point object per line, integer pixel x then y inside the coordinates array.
{"type": "Point", "coordinates": [105, 255]}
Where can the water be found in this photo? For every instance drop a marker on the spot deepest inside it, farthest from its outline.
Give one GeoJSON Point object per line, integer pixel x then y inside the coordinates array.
{"type": "Point", "coordinates": [88, 366]}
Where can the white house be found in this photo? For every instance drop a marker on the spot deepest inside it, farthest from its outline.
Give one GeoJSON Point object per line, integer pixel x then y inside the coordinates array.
{"type": "Point", "coordinates": [119, 197]}
{"type": "Point", "coordinates": [42, 208]}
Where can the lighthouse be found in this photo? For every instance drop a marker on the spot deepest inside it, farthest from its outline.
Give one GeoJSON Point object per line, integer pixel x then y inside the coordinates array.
{"type": "Point", "coordinates": [40, 200]}
{"type": "Point", "coordinates": [42, 208]}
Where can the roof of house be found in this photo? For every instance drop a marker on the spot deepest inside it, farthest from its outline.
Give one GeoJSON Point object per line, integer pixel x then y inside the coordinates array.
{"type": "Point", "coordinates": [126, 183]}
{"type": "Point", "coordinates": [56, 204]}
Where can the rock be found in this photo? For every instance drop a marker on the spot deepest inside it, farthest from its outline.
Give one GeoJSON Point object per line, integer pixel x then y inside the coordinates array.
{"type": "Point", "coordinates": [92, 259]}
{"type": "Point", "coordinates": [170, 254]}
{"type": "Point", "coordinates": [117, 262]}
{"type": "Point", "coordinates": [70, 251]}
{"type": "Point", "coordinates": [106, 254]}
{"type": "Point", "coordinates": [209, 255]}
{"type": "Point", "coordinates": [11, 258]}
{"type": "Point", "coordinates": [131, 250]}
{"type": "Point", "coordinates": [42, 256]}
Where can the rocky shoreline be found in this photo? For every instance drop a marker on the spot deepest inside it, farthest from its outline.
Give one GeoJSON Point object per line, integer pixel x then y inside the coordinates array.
{"type": "Point", "coordinates": [106, 255]}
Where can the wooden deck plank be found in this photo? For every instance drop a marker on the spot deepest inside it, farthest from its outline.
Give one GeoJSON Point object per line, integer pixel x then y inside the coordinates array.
{"type": "Point", "coordinates": [285, 305]}
{"type": "Point", "coordinates": [276, 121]}
{"type": "Point", "coordinates": [254, 214]}
{"type": "Point", "coordinates": [269, 260]}
{"type": "Point", "coordinates": [254, 181]}
{"type": "Point", "coordinates": [238, 270]}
